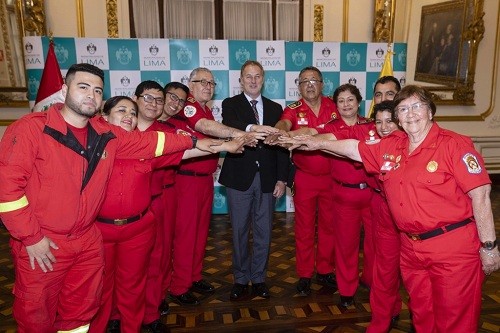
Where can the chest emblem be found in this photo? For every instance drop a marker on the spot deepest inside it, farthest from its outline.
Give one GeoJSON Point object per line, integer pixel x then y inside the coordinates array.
{"type": "Point", "coordinates": [104, 155]}
{"type": "Point", "coordinates": [432, 166]}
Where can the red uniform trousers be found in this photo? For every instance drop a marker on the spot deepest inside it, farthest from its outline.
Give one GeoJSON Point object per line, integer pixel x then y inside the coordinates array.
{"type": "Point", "coordinates": [126, 249]}
{"type": "Point", "coordinates": [385, 300]}
{"type": "Point", "coordinates": [369, 247]}
{"type": "Point", "coordinates": [313, 195]}
{"type": "Point", "coordinates": [443, 276]}
{"type": "Point", "coordinates": [160, 263]}
{"type": "Point", "coordinates": [169, 201]}
{"type": "Point", "coordinates": [44, 301]}
{"type": "Point", "coordinates": [351, 208]}
{"type": "Point", "coordinates": [194, 209]}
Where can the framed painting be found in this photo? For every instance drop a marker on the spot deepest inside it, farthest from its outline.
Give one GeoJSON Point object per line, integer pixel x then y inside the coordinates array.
{"type": "Point", "coordinates": [447, 48]}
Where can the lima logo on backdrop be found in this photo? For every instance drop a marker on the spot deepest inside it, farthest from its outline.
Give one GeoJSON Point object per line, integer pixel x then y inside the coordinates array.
{"type": "Point", "coordinates": [242, 55]}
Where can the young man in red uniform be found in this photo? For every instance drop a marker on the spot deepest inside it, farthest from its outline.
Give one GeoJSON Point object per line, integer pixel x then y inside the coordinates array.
{"type": "Point", "coordinates": [54, 168]}
{"type": "Point", "coordinates": [313, 184]}
{"type": "Point", "coordinates": [194, 188]}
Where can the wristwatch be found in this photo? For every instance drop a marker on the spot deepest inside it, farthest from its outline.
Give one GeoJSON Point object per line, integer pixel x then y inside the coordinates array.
{"type": "Point", "coordinates": [195, 140]}
{"type": "Point", "coordinates": [489, 245]}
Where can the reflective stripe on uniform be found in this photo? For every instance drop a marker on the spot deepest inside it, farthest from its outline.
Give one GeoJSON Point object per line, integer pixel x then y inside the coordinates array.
{"type": "Point", "coordinates": [160, 145]}
{"type": "Point", "coordinates": [81, 329]}
{"type": "Point", "coordinates": [6, 207]}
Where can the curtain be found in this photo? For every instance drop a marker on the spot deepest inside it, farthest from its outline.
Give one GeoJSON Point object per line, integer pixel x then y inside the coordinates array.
{"type": "Point", "coordinates": [191, 19]}
{"type": "Point", "coordinates": [146, 22]}
{"type": "Point", "coordinates": [287, 20]}
{"type": "Point", "coordinates": [248, 19]}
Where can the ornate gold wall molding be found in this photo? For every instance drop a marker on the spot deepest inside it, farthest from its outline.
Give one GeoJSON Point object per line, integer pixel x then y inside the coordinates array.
{"type": "Point", "coordinates": [33, 17]}
{"type": "Point", "coordinates": [112, 18]}
{"type": "Point", "coordinates": [318, 22]}
{"type": "Point", "coordinates": [80, 20]}
{"type": "Point", "coordinates": [383, 23]}
{"type": "Point", "coordinates": [6, 42]}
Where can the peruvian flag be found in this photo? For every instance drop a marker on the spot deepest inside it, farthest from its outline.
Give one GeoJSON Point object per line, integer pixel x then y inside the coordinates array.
{"type": "Point", "coordinates": [50, 90]}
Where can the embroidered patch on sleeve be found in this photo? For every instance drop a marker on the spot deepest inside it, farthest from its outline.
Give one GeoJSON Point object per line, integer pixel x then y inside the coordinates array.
{"type": "Point", "coordinates": [472, 163]}
{"type": "Point", "coordinates": [189, 111]}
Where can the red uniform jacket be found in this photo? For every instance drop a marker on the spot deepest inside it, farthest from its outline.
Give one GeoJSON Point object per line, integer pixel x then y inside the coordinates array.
{"type": "Point", "coordinates": [53, 185]}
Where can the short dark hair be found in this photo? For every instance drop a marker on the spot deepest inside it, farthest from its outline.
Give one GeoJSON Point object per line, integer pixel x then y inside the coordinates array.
{"type": "Point", "coordinates": [148, 84]}
{"type": "Point", "coordinates": [175, 85]}
{"type": "Point", "coordinates": [388, 78]}
{"type": "Point", "coordinates": [347, 87]}
{"type": "Point", "coordinates": [386, 105]}
{"type": "Point", "coordinates": [250, 63]}
{"type": "Point", "coordinates": [312, 68]}
{"type": "Point", "coordinates": [419, 92]}
{"type": "Point", "coordinates": [113, 101]}
{"type": "Point", "coordinates": [83, 67]}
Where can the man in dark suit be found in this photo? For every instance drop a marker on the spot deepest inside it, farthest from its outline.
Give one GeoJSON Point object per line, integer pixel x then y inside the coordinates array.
{"type": "Point", "coordinates": [254, 180]}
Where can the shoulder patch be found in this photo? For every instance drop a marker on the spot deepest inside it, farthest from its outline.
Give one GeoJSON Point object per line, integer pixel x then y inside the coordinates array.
{"type": "Point", "coordinates": [191, 99]}
{"type": "Point", "coordinates": [182, 132]}
{"type": "Point", "coordinates": [294, 105]}
{"type": "Point", "coordinates": [472, 163]}
{"type": "Point", "coordinates": [189, 111]}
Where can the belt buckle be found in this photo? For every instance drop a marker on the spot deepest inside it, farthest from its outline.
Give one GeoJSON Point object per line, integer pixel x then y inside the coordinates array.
{"type": "Point", "coordinates": [414, 237]}
{"type": "Point", "coordinates": [120, 221]}
{"type": "Point", "coordinates": [363, 186]}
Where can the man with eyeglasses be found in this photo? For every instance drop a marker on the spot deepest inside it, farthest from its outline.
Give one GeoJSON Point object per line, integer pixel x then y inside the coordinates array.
{"type": "Point", "coordinates": [313, 184]}
{"type": "Point", "coordinates": [194, 187]}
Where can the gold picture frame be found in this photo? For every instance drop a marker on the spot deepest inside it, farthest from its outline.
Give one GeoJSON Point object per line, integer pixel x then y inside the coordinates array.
{"type": "Point", "coordinates": [449, 36]}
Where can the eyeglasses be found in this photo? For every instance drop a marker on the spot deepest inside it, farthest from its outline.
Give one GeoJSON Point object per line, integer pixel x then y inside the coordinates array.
{"type": "Point", "coordinates": [415, 107]}
{"type": "Point", "coordinates": [174, 98]}
{"type": "Point", "coordinates": [206, 83]}
{"type": "Point", "coordinates": [151, 99]}
{"type": "Point", "coordinates": [313, 82]}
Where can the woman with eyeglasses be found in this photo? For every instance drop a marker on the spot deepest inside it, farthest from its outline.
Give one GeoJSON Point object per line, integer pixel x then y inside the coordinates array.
{"type": "Point", "coordinates": [438, 193]}
{"type": "Point", "coordinates": [128, 225]}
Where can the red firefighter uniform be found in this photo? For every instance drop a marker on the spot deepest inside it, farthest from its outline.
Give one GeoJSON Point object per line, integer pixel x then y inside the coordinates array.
{"type": "Point", "coordinates": [427, 190]}
{"type": "Point", "coordinates": [194, 187]}
{"type": "Point", "coordinates": [53, 186]}
{"type": "Point", "coordinates": [128, 230]}
{"type": "Point", "coordinates": [313, 193]}
{"type": "Point", "coordinates": [352, 197]}
{"type": "Point", "coordinates": [385, 300]}
{"type": "Point", "coordinates": [157, 258]}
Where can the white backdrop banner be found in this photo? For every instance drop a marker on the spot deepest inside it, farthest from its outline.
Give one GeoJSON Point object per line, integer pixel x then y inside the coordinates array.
{"type": "Point", "coordinates": [127, 62]}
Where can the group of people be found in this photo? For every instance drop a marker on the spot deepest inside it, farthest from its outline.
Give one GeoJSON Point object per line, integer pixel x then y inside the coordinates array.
{"type": "Point", "coordinates": [109, 210]}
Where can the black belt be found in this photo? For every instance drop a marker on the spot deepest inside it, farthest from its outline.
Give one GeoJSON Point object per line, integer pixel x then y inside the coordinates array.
{"type": "Point", "coordinates": [361, 186]}
{"type": "Point", "coordinates": [122, 221]}
{"type": "Point", "coordinates": [439, 231]}
{"type": "Point", "coordinates": [192, 173]}
{"type": "Point", "coordinates": [167, 186]}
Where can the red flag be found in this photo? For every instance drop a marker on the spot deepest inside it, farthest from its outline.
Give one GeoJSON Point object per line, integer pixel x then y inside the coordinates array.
{"type": "Point", "coordinates": [49, 91]}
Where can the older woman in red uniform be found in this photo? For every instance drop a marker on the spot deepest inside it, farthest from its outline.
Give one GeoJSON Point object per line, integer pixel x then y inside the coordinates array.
{"type": "Point", "coordinates": [438, 193]}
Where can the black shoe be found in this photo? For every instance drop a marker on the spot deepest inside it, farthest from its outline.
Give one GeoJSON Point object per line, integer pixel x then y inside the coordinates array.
{"type": "Point", "coordinates": [304, 286]}
{"type": "Point", "coordinates": [157, 327]}
{"type": "Point", "coordinates": [186, 299]}
{"type": "Point", "coordinates": [327, 280]}
{"type": "Point", "coordinates": [346, 301]}
{"type": "Point", "coordinates": [202, 287]}
{"type": "Point", "coordinates": [164, 308]}
{"type": "Point", "coordinates": [238, 292]}
{"type": "Point", "coordinates": [260, 289]}
{"type": "Point", "coordinates": [113, 326]}
{"type": "Point", "coordinates": [394, 320]}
